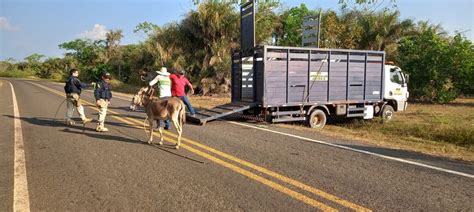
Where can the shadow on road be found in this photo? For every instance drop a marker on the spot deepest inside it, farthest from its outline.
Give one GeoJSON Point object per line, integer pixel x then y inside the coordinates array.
{"type": "Point", "coordinates": [42, 121]}
{"type": "Point", "coordinates": [124, 108]}
{"type": "Point", "coordinates": [90, 132]}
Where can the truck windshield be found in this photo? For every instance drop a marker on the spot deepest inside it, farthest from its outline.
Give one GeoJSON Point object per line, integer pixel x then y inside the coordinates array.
{"type": "Point", "coordinates": [396, 76]}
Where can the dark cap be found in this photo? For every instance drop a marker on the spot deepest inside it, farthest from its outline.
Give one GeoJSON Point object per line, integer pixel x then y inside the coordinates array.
{"type": "Point", "coordinates": [106, 75]}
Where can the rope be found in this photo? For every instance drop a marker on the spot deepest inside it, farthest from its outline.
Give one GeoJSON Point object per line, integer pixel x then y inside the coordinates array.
{"type": "Point", "coordinates": [317, 74]}
{"type": "Point", "coordinates": [59, 107]}
{"type": "Point", "coordinates": [144, 127]}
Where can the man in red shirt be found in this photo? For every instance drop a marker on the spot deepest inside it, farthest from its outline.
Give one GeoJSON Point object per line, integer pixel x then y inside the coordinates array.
{"type": "Point", "coordinates": [178, 85]}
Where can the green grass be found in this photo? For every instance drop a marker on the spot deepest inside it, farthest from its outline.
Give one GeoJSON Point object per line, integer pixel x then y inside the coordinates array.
{"type": "Point", "coordinates": [443, 130]}
{"type": "Point", "coordinates": [118, 86]}
{"type": "Point", "coordinates": [450, 123]}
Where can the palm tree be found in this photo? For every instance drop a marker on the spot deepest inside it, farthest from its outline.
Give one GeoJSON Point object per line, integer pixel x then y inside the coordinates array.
{"type": "Point", "coordinates": [113, 51]}
{"type": "Point", "coordinates": [112, 43]}
{"type": "Point", "coordinates": [382, 30]}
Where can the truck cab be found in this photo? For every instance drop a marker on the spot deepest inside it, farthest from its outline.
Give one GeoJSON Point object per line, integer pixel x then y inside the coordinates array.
{"type": "Point", "coordinates": [396, 87]}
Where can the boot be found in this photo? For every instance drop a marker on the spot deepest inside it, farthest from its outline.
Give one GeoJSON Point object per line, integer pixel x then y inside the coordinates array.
{"type": "Point", "coordinates": [86, 120]}
{"type": "Point", "coordinates": [101, 128]}
{"type": "Point", "coordinates": [70, 122]}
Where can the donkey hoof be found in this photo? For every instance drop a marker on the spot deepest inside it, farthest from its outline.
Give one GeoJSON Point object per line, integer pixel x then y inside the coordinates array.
{"type": "Point", "coordinates": [160, 143]}
{"type": "Point", "coordinates": [150, 142]}
{"type": "Point", "coordinates": [176, 147]}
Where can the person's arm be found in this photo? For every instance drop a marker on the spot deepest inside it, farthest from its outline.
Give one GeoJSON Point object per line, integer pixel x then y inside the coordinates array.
{"type": "Point", "coordinates": [154, 81]}
{"type": "Point", "coordinates": [190, 86]}
{"type": "Point", "coordinates": [80, 84]}
{"type": "Point", "coordinates": [97, 92]}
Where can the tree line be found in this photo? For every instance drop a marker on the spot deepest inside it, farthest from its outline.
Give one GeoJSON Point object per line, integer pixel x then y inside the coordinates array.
{"type": "Point", "coordinates": [441, 66]}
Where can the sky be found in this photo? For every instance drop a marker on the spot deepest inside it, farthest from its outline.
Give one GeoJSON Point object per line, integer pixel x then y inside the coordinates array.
{"type": "Point", "coordinates": [39, 26]}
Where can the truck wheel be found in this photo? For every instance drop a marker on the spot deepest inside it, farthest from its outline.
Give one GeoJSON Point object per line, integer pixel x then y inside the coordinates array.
{"type": "Point", "coordinates": [317, 119]}
{"type": "Point", "coordinates": [387, 113]}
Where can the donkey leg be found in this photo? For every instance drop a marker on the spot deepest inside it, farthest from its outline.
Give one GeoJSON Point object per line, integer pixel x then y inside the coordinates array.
{"type": "Point", "coordinates": [160, 129]}
{"type": "Point", "coordinates": [150, 122]}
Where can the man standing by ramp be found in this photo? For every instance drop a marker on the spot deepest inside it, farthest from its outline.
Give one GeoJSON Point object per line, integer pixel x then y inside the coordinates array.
{"type": "Point", "coordinates": [178, 89]}
{"type": "Point", "coordinates": [73, 90]}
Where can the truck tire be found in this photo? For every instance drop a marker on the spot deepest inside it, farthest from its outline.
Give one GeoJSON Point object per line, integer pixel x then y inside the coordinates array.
{"type": "Point", "coordinates": [387, 113]}
{"type": "Point", "coordinates": [317, 119]}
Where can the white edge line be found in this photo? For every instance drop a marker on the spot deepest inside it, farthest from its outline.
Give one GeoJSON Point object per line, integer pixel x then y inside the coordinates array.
{"type": "Point", "coordinates": [21, 200]}
{"type": "Point", "coordinates": [361, 151]}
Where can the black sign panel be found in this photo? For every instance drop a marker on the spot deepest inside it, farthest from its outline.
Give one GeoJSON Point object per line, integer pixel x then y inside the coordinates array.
{"type": "Point", "coordinates": [247, 28]}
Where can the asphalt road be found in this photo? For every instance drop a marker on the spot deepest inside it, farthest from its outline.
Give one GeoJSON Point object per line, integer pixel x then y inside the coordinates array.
{"type": "Point", "coordinates": [224, 165]}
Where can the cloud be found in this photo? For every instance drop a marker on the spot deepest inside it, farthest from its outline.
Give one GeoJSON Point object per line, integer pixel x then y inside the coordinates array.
{"type": "Point", "coordinates": [97, 33]}
{"type": "Point", "coordinates": [5, 25]}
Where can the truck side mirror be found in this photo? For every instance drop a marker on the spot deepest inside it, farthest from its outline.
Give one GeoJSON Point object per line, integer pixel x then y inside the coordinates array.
{"type": "Point", "coordinates": [407, 78]}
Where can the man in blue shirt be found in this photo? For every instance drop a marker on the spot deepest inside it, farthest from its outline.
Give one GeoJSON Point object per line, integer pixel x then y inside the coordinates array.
{"type": "Point", "coordinates": [102, 95]}
{"type": "Point", "coordinates": [73, 90]}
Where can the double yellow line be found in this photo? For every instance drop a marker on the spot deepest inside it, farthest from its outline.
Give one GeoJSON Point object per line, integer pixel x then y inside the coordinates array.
{"type": "Point", "coordinates": [272, 184]}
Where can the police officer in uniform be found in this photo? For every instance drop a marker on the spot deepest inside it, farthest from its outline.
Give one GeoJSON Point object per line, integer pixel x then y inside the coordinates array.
{"type": "Point", "coordinates": [73, 90]}
{"type": "Point", "coordinates": [102, 95]}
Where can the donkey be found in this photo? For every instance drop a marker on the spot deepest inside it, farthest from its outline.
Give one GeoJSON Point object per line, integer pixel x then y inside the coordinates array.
{"type": "Point", "coordinates": [161, 109]}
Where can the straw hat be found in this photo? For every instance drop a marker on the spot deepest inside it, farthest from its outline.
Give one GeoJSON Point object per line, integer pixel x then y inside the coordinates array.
{"type": "Point", "coordinates": [163, 71]}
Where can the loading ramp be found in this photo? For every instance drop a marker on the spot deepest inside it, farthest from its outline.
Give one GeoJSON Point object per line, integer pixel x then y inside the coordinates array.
{"type": "Point", "coordinates": [204, 115]}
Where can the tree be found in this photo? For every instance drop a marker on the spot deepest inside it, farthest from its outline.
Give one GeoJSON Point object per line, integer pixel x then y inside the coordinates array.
{"type": "Point", "coordinates": [266, 20]}
{"type": "Point", "coordinates": [201, 43]}
{"type": "Point", "coordinates": [368, 5]}
{"type": "Point", "coordinates": [461, 54]}
{"type": "Point", "coordinates": [146, 27]}
{"type": "Point", "coordinates": [112, 43]}
{"type": "Point", "coordinates": [7, 65]}
{"type": "Point", "coordinates": [289, 32]}
{"type": "Point", "coordinates": [440, 68]}
{"type": "Point", "coordinates": [54, 68]}
{"type": "Point", "coordinates": [113, 50]}
{"type": "Point", "coordinates": [33, 63]}
{"type": "Point", "coordinates": [382, 30]}
{"type": "Point", "coordinates": [89, 55]}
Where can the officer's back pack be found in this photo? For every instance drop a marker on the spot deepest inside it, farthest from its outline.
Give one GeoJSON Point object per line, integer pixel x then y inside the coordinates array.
{"type": "Point", "coordinates": [68, 88]}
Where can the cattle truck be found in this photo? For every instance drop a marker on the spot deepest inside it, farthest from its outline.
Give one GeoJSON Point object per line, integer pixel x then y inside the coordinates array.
{"type": "Point", "coordinates": [308, 84]}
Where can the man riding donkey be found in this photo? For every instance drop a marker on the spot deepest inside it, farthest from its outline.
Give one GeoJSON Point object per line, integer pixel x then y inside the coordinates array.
{"type": "Point", "coordinates": [163, 108]}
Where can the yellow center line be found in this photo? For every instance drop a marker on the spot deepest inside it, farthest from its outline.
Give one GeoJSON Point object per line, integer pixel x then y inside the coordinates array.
{"type": "Point", "coordinates": [278, 176]}
{"type": "Point", "coordinates": [245, 163]}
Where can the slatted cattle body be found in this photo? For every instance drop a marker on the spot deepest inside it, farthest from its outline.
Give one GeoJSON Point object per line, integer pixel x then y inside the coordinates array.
{"type": "Point", "coordinates": [289, 76]}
